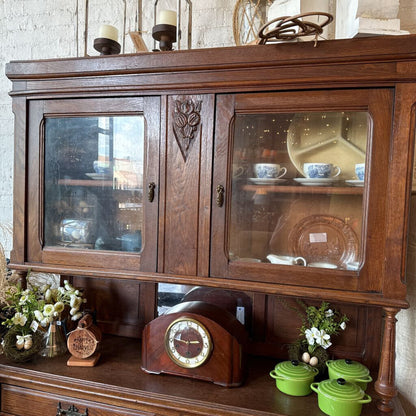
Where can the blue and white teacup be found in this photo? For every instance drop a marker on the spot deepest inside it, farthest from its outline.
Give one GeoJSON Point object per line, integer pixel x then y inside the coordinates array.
{"type": "Point", "coordinates": [269, 171]}
{"type": "Point", "coordinates": [360, 171]}
{"type": "Point", "coordinates": [321, 170]}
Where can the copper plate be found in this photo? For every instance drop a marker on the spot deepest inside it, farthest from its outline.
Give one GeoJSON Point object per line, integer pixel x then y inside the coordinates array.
{"type": "Point", "coordinates": [324, 238]}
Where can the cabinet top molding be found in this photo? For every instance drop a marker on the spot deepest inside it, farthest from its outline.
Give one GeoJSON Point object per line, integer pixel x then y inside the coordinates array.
{"type": "Point", "coordinates": [368, 51]}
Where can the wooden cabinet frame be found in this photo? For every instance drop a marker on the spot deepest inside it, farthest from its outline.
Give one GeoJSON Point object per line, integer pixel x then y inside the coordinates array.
{"type": "Point", "coordinates": [371, 74]}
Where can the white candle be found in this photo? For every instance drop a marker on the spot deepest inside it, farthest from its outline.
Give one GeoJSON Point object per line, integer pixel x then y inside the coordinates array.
{"type": "Point", "coordinates": [166, 17]}
{"type": "Point", "coordinates": [108, 32]}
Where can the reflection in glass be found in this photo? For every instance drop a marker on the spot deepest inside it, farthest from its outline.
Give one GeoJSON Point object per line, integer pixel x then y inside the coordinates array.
{"type": "Point", "coordinates": [94, 182]}
{"type": "Point", "coordinates": [296, 195]}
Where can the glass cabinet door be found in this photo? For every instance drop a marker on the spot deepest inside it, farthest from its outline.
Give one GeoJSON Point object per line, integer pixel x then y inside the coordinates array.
{"type": "Point", "coordinates": [93, 194]}
{"type": "Point", "coordinates": [297, 188]}
{"type": "Point", "coordinates": [298, 185]}
{"type": "Point", "coordinates": [98, 158]}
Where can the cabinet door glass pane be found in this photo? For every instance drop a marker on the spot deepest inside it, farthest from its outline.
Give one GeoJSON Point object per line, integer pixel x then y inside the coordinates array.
{"type": "Point", "coordinates": [94, 182]}
{"type": "Point", "coordinates": [298, 181]}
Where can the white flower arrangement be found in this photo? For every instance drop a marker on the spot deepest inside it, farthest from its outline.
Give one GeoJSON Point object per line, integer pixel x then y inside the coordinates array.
{"type": "Point", "coordinates": [35, 308]}
{"type": "Point", "coordinates": [319, 325]}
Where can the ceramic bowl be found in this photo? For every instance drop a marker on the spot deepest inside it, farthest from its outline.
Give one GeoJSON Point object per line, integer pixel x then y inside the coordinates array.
{"type": "Point", "coordinates": [340, 397]}
{"type": "Point", "coordinates": [294, 378]}
{"type": "Point", "coordinates": [349, 370]}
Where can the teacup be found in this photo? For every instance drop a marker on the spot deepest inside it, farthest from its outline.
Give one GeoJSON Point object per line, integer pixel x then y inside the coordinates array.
{"type": "Point", "coordinates": [320, 170]}
{"type": "Point", "coordinates": [237, 171]}
{"type": "Point", "coordinates": [323, 265]}
{"type": "Point", "coordinates": [269, 171]}
{"type": "Point", "coordinates": [290, 260]}
{"type": "Point", "coordinates": [102, 166]}
{"type": "Point", "coordinates": [360, 171]}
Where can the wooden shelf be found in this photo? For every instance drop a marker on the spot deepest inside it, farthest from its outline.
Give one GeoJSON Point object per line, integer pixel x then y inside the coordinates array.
{"type": "Point", "coordinates": [299, 189]}
{"type": "Point", "coordinates": [85, 182]}
{"type": "Point", "coordinates": [118, 380]}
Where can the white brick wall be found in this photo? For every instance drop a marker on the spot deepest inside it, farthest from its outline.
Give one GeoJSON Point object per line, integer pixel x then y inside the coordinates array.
{"type": "Point", "coordinates": [37, 29]}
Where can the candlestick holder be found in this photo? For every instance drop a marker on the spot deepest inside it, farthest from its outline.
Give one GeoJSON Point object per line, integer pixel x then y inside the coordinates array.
{"type": "Point", "coordinates": [165, 34]}
{"type": "Point", "coordinates": [107, 46]}
{"type": "Point", "coordinates": [181, 32]}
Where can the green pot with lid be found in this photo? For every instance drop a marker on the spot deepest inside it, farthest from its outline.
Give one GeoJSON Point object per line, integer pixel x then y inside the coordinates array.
{"type": "Point", "coordinates": [338, 397]}
{"type": "Point", "coordinates": [294, 377]}
{"type": "Point", "coordinates": [349, 370]}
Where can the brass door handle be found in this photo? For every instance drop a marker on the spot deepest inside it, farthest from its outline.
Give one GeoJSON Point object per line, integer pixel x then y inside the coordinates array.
{"type": "Point", "coordinates": [151, 191]}
{"type": "Point", "coordinates": [220, 195]}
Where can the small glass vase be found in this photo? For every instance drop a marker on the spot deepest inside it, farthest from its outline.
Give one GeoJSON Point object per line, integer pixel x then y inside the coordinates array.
{"type": "Point", "coordinates": [55, 340]}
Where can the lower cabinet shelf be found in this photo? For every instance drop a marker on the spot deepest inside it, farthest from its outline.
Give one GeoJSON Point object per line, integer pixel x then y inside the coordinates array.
{"type": "Point", "coordinates": [117, 386]}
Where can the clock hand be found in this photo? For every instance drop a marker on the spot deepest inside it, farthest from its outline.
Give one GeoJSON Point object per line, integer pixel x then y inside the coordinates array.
{"type": "Point", "coordinates": [181, 340]}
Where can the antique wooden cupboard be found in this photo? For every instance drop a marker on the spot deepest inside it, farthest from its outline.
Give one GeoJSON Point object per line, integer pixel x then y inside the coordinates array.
{"type": "Point", "coordinates": [136, 170]}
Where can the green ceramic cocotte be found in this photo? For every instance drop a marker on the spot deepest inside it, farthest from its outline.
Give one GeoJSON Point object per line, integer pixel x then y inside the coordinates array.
{"type": "Point", "coordinates": [349, 370]}
{"type": "Point", "coordinates": [294, 378]}
{"type": "Point", "coordinates": [340, 397]}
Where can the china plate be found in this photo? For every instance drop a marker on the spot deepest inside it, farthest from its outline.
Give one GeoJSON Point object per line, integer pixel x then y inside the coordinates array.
{"type": "Point", "coordinates": [316, 181]}
{"type": "Point", "coordinates": [267, 181]}
{"type": "Point", "coordinates": [319, 137]}
{"type": "Point", "coordinates": [324, 238]}
{"type": "Point", "coordinates": [354, 182]}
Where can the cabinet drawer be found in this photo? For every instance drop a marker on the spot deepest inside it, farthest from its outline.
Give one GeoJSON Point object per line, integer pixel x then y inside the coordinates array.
{"type": "Point", "coordinates": [24, 402]}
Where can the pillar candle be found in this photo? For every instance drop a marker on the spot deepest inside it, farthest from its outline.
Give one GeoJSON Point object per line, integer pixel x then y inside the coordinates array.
{"type": "Point", "coordinates": [166, 17]}
{"type": "Point", "coordinates": [108, 32]}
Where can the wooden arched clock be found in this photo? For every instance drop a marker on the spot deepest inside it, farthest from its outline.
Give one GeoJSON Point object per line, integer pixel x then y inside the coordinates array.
{"type": "Point", "coordinates": [197, 340]}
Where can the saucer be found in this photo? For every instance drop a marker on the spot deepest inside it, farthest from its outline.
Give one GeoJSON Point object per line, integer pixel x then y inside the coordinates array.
{"type": "Point", "coordinates": [99, 176]}
{"type": "Point", "coordinates": [267, 181]}
{"type": "Point", "coordinates": [316, 181]}
{"type": "Point", "coordinates": [355, 182]}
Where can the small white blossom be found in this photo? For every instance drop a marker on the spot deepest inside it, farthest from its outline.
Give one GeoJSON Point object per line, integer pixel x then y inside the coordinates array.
{"type": "Point", "coordinates": [310, 337]}
{"type": "Point", "coordinates": [315, 332]}
{"type": "Point", "coordinates": [75, 302]}
{"type": "Point", "coordinates": [48, 295]}
{"type": "Point", "coordinates": [329, 313]}
{"type": "Point", "coordinates": [48, 309]}
{"type": "Point", "coordinates": [23, 299]}
{"type": "Point", "coordinates": [322, 338]}
{"type": "Point", "coordinates": [326, 344]}
{"type": "Point", "coordinates": [38, 315]}
{"type": "Point", "coordinates": [73, 311]}
{"type": "Point", "coordinates": [59, 307]}
{"type": "Point", "coordinates": [19, 319]}
{"type": "Point", "coordinates": [343, 325]}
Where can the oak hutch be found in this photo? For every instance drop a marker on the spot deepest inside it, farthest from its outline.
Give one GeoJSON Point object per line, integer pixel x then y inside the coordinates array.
{"type": "Point", "coordinates": [141, 170]}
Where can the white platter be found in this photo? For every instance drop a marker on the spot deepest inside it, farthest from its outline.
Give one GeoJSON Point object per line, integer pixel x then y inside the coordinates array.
{"type": "Point", "coordinates": [328, 138]}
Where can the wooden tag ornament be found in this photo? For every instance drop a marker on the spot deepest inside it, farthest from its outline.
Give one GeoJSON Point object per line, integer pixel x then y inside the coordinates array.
{"type": "Point", "coordinates": [83, 342]}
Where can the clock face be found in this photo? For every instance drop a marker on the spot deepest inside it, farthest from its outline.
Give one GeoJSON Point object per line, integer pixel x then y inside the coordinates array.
{"type": "Point", "coordinates": [188, 343]}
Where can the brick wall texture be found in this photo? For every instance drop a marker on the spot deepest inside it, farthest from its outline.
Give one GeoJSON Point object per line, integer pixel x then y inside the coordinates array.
{"type": "Point", "coordinates": [37, 29]}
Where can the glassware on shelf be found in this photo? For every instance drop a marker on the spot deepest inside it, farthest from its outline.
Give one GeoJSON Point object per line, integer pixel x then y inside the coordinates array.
{"type": "Point", "coordinates": [293, 214]}
{"type": "Point", "coordinates": [55, 340]}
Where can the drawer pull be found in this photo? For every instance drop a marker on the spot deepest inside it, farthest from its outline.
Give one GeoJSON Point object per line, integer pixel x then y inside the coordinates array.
{"type": "Point", "coordinates": [72, 411]}
{"type": "Point", "coordinates": [151, 191]}
{"type": "Point", "coordinates": [220, 196]}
